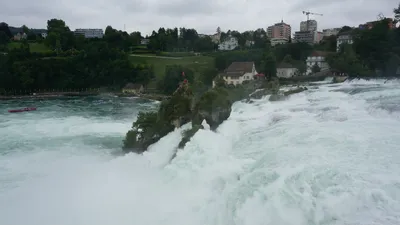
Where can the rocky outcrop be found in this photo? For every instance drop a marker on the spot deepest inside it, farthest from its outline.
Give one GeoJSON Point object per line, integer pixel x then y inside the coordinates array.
{"type": "Point", "coordinates": [294, 91]}
{"type": "Point", "coordinates": [152, 126]}
{"type": "Point", "coordinates": [214, 107]}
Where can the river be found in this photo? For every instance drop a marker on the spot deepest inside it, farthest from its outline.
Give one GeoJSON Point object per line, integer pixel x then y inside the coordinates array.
{"type": "Point", "coordinates": [330, 155]}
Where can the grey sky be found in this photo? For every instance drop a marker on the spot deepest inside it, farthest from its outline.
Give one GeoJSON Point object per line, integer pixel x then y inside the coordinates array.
{"type": "Point", "coordinates": [203, 15]}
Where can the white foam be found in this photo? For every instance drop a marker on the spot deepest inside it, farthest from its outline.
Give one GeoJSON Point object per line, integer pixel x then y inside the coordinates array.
{"type": "Point", "coordinates": [319, 157]}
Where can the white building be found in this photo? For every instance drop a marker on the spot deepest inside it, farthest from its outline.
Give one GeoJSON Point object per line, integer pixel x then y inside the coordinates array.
{"type": "Point", "coordinates": [90, 33]}
{"type": "Point", "coordinates": [229, 44]}
{"type": "Point", "coordinates": [317, 58]}
{"type": "Point", "coordinates": [286, 70]}
{"type": "Point", "coordinates": [238, 72]}
{"type": "Point", "coordinates": [278, 41]}
{"type": "Point", "coordinates": [343, 38]}
{"type": "Point", "coordinates": [144, 41]}
{"type": "Point", "coordinates": [330, 32]}
{"type": "Point", "coordinates": [312, 25]}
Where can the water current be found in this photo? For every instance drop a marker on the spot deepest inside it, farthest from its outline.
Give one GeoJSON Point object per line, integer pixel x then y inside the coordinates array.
{"type": "Point", "coordinates": [330, 155]}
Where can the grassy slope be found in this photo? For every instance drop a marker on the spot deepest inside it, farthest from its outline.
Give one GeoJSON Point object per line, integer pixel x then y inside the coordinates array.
{"type": "Point", "coordinates": [197, 63]}
{"type": "Point", "coordinates": [34, 47]}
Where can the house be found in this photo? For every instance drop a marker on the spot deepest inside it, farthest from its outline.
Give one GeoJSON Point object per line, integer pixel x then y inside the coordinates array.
{"type": "Point", "coordinates": [279, 41]}
{"type": "Point", "coordinates": [44, 35]}
{"type": "Point", "coordinates": [216, 38]}
{"type": "Point", "coordinates": [238, 72]}
{"type": "Point", "coordinates": [317, 58]}
{"type": "Point", "coordinates": [131, 88]}
{"type": "Point", "coordinates": [229, 44]}
{"type": "Point", "coordinates": [144, 41]}
{"type": "Point", "coordinates": [20, 36]}
{"type": "Point", "coordinates": [286, 70]}
{"type": "Point", "coordinates": [344, 38]}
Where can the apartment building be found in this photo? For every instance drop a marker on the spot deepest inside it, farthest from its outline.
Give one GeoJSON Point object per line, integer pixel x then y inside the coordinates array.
{"type": "Point", "coordinates": [279, 30]}
{"type": "Point", "coordinates": [90, 33]}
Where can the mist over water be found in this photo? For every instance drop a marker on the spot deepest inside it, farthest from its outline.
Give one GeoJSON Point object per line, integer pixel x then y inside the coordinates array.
{"type": "Point", "coordinates": [330, 155]}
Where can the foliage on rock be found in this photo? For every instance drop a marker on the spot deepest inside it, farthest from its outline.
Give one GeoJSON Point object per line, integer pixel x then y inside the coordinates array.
{"type": "Point", "coordinates": [146, 130]}
{"type": "Point", "coordinates": [214, 107]}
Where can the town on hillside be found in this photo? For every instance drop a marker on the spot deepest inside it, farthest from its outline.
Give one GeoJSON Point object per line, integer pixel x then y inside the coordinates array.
{"type": "Point", "coordinates": [155, 62]}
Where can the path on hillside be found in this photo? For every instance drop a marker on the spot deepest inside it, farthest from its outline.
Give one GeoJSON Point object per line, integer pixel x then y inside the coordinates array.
{"type": "Point", "coordinates": [154, 56]}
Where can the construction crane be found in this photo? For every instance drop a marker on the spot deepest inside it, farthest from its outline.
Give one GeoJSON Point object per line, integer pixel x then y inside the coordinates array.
{"type": "Point", "coordinates": [308, 16]}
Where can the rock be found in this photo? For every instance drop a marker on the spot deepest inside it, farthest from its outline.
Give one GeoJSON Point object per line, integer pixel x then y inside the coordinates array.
{"type": "Point", "coordinates": [277, 97]}
{"type": "Point", "coordinates": [152, 126]}
{"type": "Point", "coordinates": [214, 107]}
{"type": "Point", "coordinates": [295, 91]}
{"type": "Point", "coordinates": [188, 134]}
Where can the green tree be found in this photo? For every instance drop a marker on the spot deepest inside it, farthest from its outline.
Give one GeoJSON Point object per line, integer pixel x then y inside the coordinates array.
{"type": "Point", "coordinates": [25, 29]}
{"type": "Point", "coordinates": [270, 65]}
{"type": "Point", "coordinates": [396, 12]}
{"type": "Point", "coordinates": [4, 27]}
{"type": "Point", "coordinates": [207, 76]}
{"type": "Point", "coordinates": [4, 39]}
{"type": "Point", "coordinates": [173, 77]}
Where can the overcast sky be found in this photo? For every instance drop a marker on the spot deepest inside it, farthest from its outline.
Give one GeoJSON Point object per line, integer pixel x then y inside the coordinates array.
{"type": "Point", "coordinates": [203, 15]}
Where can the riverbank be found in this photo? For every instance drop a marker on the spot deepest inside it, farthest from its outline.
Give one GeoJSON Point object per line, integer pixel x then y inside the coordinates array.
{"type": "Point", "coordinates": [48, 95]}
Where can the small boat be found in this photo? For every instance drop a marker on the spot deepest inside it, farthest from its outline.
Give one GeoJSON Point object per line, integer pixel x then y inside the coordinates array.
{"type": "Point", "coordinates": [22, 110]}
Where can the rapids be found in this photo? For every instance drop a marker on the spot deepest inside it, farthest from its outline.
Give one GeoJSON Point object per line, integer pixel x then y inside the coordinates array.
{"type": "Point", "coordinates": [330, 155]}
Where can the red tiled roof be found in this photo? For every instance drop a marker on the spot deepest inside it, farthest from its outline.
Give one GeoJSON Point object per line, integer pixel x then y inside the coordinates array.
{"type": "Point", "coordinates": [237, 69]}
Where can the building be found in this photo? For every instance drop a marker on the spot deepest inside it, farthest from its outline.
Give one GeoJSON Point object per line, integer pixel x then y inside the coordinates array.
{"type": "Point", "coordinates": [229, 44]}
{"type": "Point", "coordinates": [20, 36]}
{"type": "Point", "coordinates": [286, 70]}
{"type": "Point", "coordinates": [369, 25]}
{"type": "Point", "coordinates": [312, 25]}
{"type": "Point", "coordinates": [90, 33]}
{"type": "Point", "coordinates": [44, 35]}
{"type": "Point", "coordinates": [216, 38]}
{"type": "Point", "coordinates": [317, 58]}
{"type": "Point", "coordinates": [249, 43]}
{"type": "Point", "coordinates": [238, 72]}
{"type": "Point", "coordinates": [309, 37]}
{"type": "Point", "coordinates": [279, 30]}
{"type": "Point", "coordinates": [344, 38]}
{"type": "Point", "coordinates": [330, 32]}
{"type": "Point", "coordinates": [131, 88]}
{"type": "Point", "coordinates": [278, 41]}
{"type": "Point", "coordinates": [144, 41]}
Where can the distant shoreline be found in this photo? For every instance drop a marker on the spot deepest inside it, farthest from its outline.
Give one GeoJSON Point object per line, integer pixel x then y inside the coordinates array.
{"type": "Point", "coordinates": [154, 97]}
{"type": "Point", "coordinates": [48, 95]}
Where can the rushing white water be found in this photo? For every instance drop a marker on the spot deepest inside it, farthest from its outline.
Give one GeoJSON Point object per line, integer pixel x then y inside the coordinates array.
{"type": "Point", "coordinates": [330, 155]}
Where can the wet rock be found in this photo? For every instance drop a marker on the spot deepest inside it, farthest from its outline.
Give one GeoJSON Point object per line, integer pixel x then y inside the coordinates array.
{"type": "Point", "coordinates": [214, 107]}
{"type": "Point", "coordinates": [277, 97]}
{"type": "Point", "coordinates": [295, 91]}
